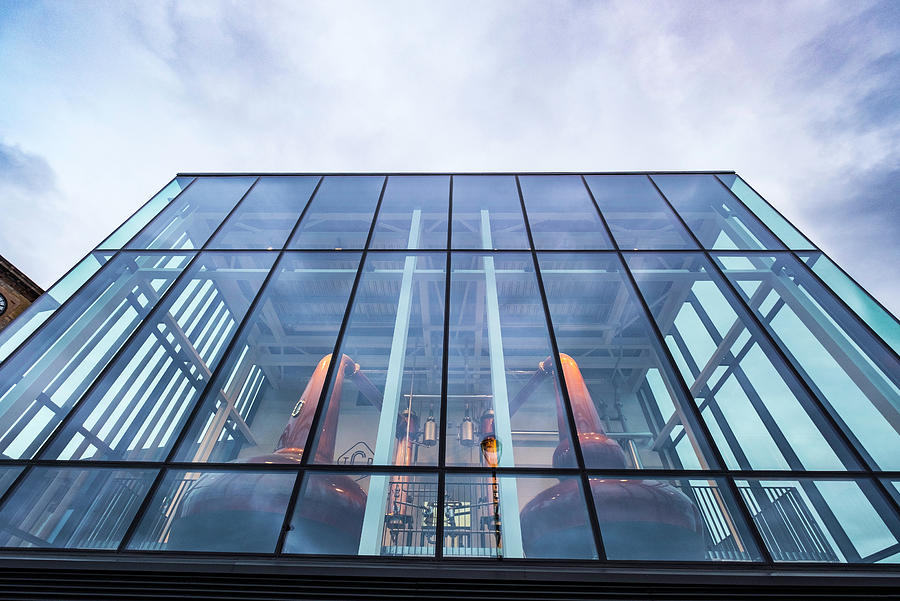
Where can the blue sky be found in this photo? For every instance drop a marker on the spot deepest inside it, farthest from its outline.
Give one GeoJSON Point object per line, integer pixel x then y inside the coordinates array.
{"type": "Point", "coordinates": [101, 103]}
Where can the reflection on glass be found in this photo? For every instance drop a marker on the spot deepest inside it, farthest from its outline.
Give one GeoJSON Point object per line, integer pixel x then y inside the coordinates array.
{"type": "Point", "coordinates": [839, 521]}
{"type": "Point", "coordinates": [191, 218]}
{"type": "Point", "coordinates": [884, 324]}
{"type": "Point", "coordinates": [41, 309]}
{"type": "Point", "coordinates": [715, 217]}
{"type": "Point", "coordinates": [516, 516]}
{"type": "Point", "coordinates": [627, 410]}
{"type": "Point", "coordinates": [413, 213]}
{"type": "Point", "coordinates": [275, 372]}
{"type": "Point", "coordinates": [359, 514]}
{"type": "Point", "coordinates": [341, 213]}
{"type": "Point", "coordinates": [8, 474]}
{"type": "Point", "coordinates": [487, 203]}
{"type": "Point", "coordinates": [759, 415]}
{"type": "Point", "coordinates": [385, 395]}
{"type": "Point", "coordinates": [222, 511]}
{"type": "Point", "coordinates": [670, 520]}
{"type": "Point", "coordinates": [44, 380]}
{"type": "Point", "coordinates": [265, 218]}
{"type": "Point", "coordinates": [137, 409]}
{"type": "Point", "coordinates": [561, 213]}
{"type": "Point", "coordinates": [502, 381]}
{"type": "Point", "coordinates": [775, 222]}
{"type": "Point", "coordinates": [72, 508]}
{"type": "Point", "coordinates": [848, 368]}
{"type": "Point", "coordinates": [136, 222]}
{"type": "Point", "coordinates": [637, 215]}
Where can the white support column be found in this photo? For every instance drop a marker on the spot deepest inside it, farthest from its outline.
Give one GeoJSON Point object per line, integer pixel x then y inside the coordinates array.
{"type": "Point", "coordinates": [376, 501]}
{"type": "Point", "coordinates": [510, 529]}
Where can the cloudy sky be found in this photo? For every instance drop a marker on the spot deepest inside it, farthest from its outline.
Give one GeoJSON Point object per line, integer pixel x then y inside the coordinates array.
{"type": "Point", "coordinates": [101, 103]}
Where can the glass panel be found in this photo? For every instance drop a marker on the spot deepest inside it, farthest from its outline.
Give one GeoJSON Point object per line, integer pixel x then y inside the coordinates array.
{"type": "Point", "coordinates": [71, 508]}
{"type": "Point", "coordinates": [636, 214]}
{"type": "Point", "coordinates": [715, 217]}
{"type": "Point", "coordinates": [413, 213]}
{"type": "Point", "coordinates": [194, 215]}
{"type": "Point", "coordinates": [42, 382]}
{"type": "Point", "coordinates": [487, 213]}
{"type": "Point", "coordinates": [275, 372]}
{"type": "Point", "coordinates": [671, 520]}
{"type": "Point", "coordinates": [848, 368]}
{"type": "Point", "coordinates": [884, 324]}
{"type": "Point", "coordinates": [8, 474]}
{"type": "Point", "coordinates": [516, 516]}
{"type": "Point", "coordinates": [341, 213]}
{"type": "Point", "coordinates": [223, 511]}
{"type": "Point", "coordinates": [137, 409]}
{"type": "Point", "coordinates": [501, 385]}
{"type": "Point", "coordinates": [768, 215]}
{"type": "Point", "coordinates": [561, 213]}
{"type": "Point", "coordinates": [360, 514]}
{"type": "Point", "coordinates": [384, 400]}
{"type": "Point", "coordinates": [759, 415]}
{"type": "Point", "coordinates": [267, 215]}
{"type": "Point", "coordinates": [628, 410]}
{"type": "Point", "coordinates": [41, 309]}
{"type": "Point", "coordinates": [136, 222]}
{"type": "Point", "coordinates": [840, 521]}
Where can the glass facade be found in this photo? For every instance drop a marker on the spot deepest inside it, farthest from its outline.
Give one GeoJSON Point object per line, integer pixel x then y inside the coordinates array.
{"type": "Point", "coordinates": [601, 368]}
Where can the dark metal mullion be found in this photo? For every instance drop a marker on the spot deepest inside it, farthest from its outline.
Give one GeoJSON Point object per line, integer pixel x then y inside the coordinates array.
{"type": "Point", "coordinates": [145, 503]}
{"type": "Point", "coordinates": [244, 323]}
{"type": "Point", "coordinates": [288, 514]}
{"type": "Point", "coordinates": [587, 491]}
{"type": "Point", "coordinates": [445, 384]}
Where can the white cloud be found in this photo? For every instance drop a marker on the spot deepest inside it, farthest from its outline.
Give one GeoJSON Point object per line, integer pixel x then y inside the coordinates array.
{"type": "Point", "coordinates": [118, 97]}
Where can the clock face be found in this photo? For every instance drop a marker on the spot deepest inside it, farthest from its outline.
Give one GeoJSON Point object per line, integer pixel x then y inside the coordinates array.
{"type": "Point", "coordinates": [2, 304]}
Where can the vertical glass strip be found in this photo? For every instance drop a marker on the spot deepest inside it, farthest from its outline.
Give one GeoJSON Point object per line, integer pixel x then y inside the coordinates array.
{"type": "Point", "coordinates": [562, 214]}
{"type": "Point", "coordinates": [884, 324]}
{"type": "Point", "coordinates": [120, 237]}
{"type": "Point", "coordinates": [767, 214]}
{"type": "Point", "coordinates": [46, 305]}
{"type": "Point", "coordinates": [413, 213]}
{"type": "Point", "coordinates": [487, 202]}
{"type": "Point", "coordinates": [340, 215]}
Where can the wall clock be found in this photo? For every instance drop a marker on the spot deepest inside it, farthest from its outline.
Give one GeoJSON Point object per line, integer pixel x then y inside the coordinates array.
{"type": "Point", "coordinates": [2, 304]}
